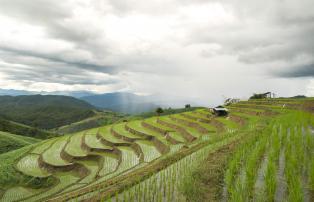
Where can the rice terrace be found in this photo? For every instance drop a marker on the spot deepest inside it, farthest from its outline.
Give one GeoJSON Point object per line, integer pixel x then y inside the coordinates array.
{"type": "Point", "coordinates": [263, 150]}
{"type": "Point", "coordinates": [156, 101]}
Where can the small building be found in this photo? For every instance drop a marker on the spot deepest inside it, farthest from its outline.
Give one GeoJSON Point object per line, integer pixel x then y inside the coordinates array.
{"type": "Point", "coordinates": [220, 111]}
{"type": "Point", "coordinates": [267, 95]}
{"type": "Point", "coordinates": [230, 101]}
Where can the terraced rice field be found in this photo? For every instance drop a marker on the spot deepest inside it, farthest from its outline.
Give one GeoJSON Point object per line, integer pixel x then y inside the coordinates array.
{"type": "Point", "coordinates": [93, 142]}
{"type": "Point", "coordinates": [29, 165]}
{"type": "Point", "coordinates": [73, 147]}
{"type": "Point", "coordinates": [153, 159]}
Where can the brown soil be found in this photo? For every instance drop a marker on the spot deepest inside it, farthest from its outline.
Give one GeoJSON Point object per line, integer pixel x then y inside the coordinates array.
{"type": "Point", "coordinates": [196, 126]}
{"type": "Point", "coordinates": [308, 106]}
{"type": "Point", "coordinates": [212, 173]}
{"type": "Point", "coordinates": [238, 119]}
{"type": "Point", "coordinates": [160, 131]}
{"type": "Point", "coordinates": [186, 135]}
{"type": "Point", "coordinates": [218, 125]}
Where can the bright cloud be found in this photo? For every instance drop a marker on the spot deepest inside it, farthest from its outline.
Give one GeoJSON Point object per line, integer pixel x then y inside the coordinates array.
{"type": "Point", "coordinates": [199, 50]}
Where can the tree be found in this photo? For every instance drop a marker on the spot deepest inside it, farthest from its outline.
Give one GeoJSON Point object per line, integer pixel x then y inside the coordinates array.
{"type": "Point", "coordinates": [258, 96]}
{"type": "Point", "coordinates": [187, 106]}
{"type": "Point", "coordinates": [159, 110]}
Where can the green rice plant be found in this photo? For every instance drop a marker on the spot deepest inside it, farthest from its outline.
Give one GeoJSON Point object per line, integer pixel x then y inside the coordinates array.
{"type": "Point", "coordinates": [129, 159]}
{"type": "Point", "coordinates": [52, 154]}
{"type": "Point", "coordinates": [252, 165]}
{"type": "Point", "coordinates": [149, 150]}
{"type": "Point", "coordinates": [207, 126]}
{"type": "Point", "coordinates": [233, 168]}
{"type": "Point", "coordinates": [292, 170]}
{"type": "Point", "coordinates": [92, 167]}
{"type": "Point", "coordinates": [65, 180]}
{"type": "Point", "coordinates": [92, 141]}
{"type": "Point", "coordinates": [42, 146]}
{"type": "Point", "coordinates": [109, 164]}
{"type": "Point", "coordinates": [239, 193]}
{"type": "Point", "coordinates": [270, 180]}
{"type": "Point", "coordinates": [106, 134]}
{"type": "Point", "coordinates": [18, 193]}
{"type": "Point", "coordinates": [311, 174]}
{"type": "Point", "coordinates": [177, 136]}
{"type": "Point", "coordinates": [190, 130]}
{"type": "Point", "coordinates": [74, 148]}
{"type": "Point", "coordinates": [29, 166]}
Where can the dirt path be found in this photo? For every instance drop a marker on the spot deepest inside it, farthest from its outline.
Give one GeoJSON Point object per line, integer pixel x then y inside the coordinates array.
{"type": "Point", "coordinates": [211, 173]}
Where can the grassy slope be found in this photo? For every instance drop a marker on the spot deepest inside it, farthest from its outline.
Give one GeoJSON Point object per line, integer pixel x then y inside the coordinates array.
{"type": "Point", "coordinates": [99, 119]}
{"type": "Point", "coordinates": [9, 142]}
{"type": "Point", "coordinates": [9, 176]}
{"type": "Point", "coordinates": [44, 112]}
{"type": "Point", "coordinates": [166, 112]}
{"type": "Point", "coordinates": [24, 130]}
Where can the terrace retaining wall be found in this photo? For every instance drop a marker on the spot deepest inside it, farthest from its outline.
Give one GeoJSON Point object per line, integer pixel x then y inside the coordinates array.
{"type": "Point", "coordinates": [199, 128]}
{"type": "Point", "coordinates": [186, 135]}
{"type": "Point", "coordinates": [161, 147]}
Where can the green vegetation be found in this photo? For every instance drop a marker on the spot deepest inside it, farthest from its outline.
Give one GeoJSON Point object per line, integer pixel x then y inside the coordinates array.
{"type": "Point", "coordinates": [29, 166]}
{"type": "Point", "coordinates": [149, 150]}
{"type": "Point", "coordinates": [52, 155]}
{"type": "Point", "coordinates": [176, 157]}
{"type": "Point", "coordinates": [165, 112]}
{"type": "Point", "coordinates": [24, 130]}
{"type": "Point", "coordinates": [99, 119]}
{"type": "Point", "coordinates": [10, 176]}
{"type": "Point", "coordinates": [10, 142]}
{"type": "Point", "coordinates": [73, 147]}
{"type": "Point", "coordinates": [44, 111]}
{"type": "Point", "coordinates": [92, 141]}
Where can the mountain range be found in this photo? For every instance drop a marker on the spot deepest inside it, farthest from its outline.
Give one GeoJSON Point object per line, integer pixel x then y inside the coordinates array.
{"type": "Point", "coordinates": [123, 102]}
{"type": "Point", "coordinates": [44, 111]}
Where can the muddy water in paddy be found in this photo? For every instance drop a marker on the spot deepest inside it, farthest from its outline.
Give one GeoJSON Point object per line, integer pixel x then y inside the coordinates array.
{"type": "Point", "coordinates": [259, 187]}
{"type": "Point", "coordinates": [281, 189]}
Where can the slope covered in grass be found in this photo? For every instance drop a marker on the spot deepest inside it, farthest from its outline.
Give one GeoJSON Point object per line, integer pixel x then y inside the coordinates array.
{"type": "Point", "coordinates": [44, 111]}
{"type": "Point", "coordinates": [9, 176]}
{"type": "Point", "coordinates": [24, 130]}
{"type": "Point", "coordinates": [10, 141]}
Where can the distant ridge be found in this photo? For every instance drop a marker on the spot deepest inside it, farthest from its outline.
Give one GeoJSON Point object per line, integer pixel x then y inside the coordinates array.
{"type": "Point", "coordinates": [14, 92]}
{"type": "Point", "coordinates": [121, 102]}
{"type": "Point", "coordinates": [44, 111]}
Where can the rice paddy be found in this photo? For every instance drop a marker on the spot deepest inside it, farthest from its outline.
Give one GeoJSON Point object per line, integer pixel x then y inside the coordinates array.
{"type": "Point", "coordinates": [154, 159]}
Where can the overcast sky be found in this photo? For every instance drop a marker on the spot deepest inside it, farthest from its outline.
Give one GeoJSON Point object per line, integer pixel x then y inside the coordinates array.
{"type": "Point", "coordinates": [201, 50]}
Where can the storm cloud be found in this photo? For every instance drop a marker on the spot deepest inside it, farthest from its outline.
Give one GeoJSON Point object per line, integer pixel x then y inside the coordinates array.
{"type": "Point", "coordinates": [158, 47]}
{"type": "Point", "coordinates": [298, 71]}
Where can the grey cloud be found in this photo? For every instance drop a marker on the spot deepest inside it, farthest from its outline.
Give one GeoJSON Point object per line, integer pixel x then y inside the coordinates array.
{"type": "Point", "coordinates": [56, 18]}
{"type": "Point", "coordinates": [41, 11]}
{"type": "Point", "coordinates": [263, 31]}
{"type": "Point", "coordinates": [79, 64]}
{"type": "Point", "coordinates": [54, 76]}
{"type": "Point", "coordinates": [254, 44]}
{"type": "Point", "coordinates": [297, 71]}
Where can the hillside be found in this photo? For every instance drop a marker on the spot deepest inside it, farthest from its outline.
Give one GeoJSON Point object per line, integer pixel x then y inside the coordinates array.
{"type": "Point", "coordinates": [9, 142]}
{"type": "Point", "coordinates": [189, 156]}
{"type": "Point", "coordinates": [121, 102]}
{"type": "Point", "coordinates": [99, 119]}
{"type": "Point", "coordinates": [24, 130]}
{"type": "Point", "coordinates": [44, 111]}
